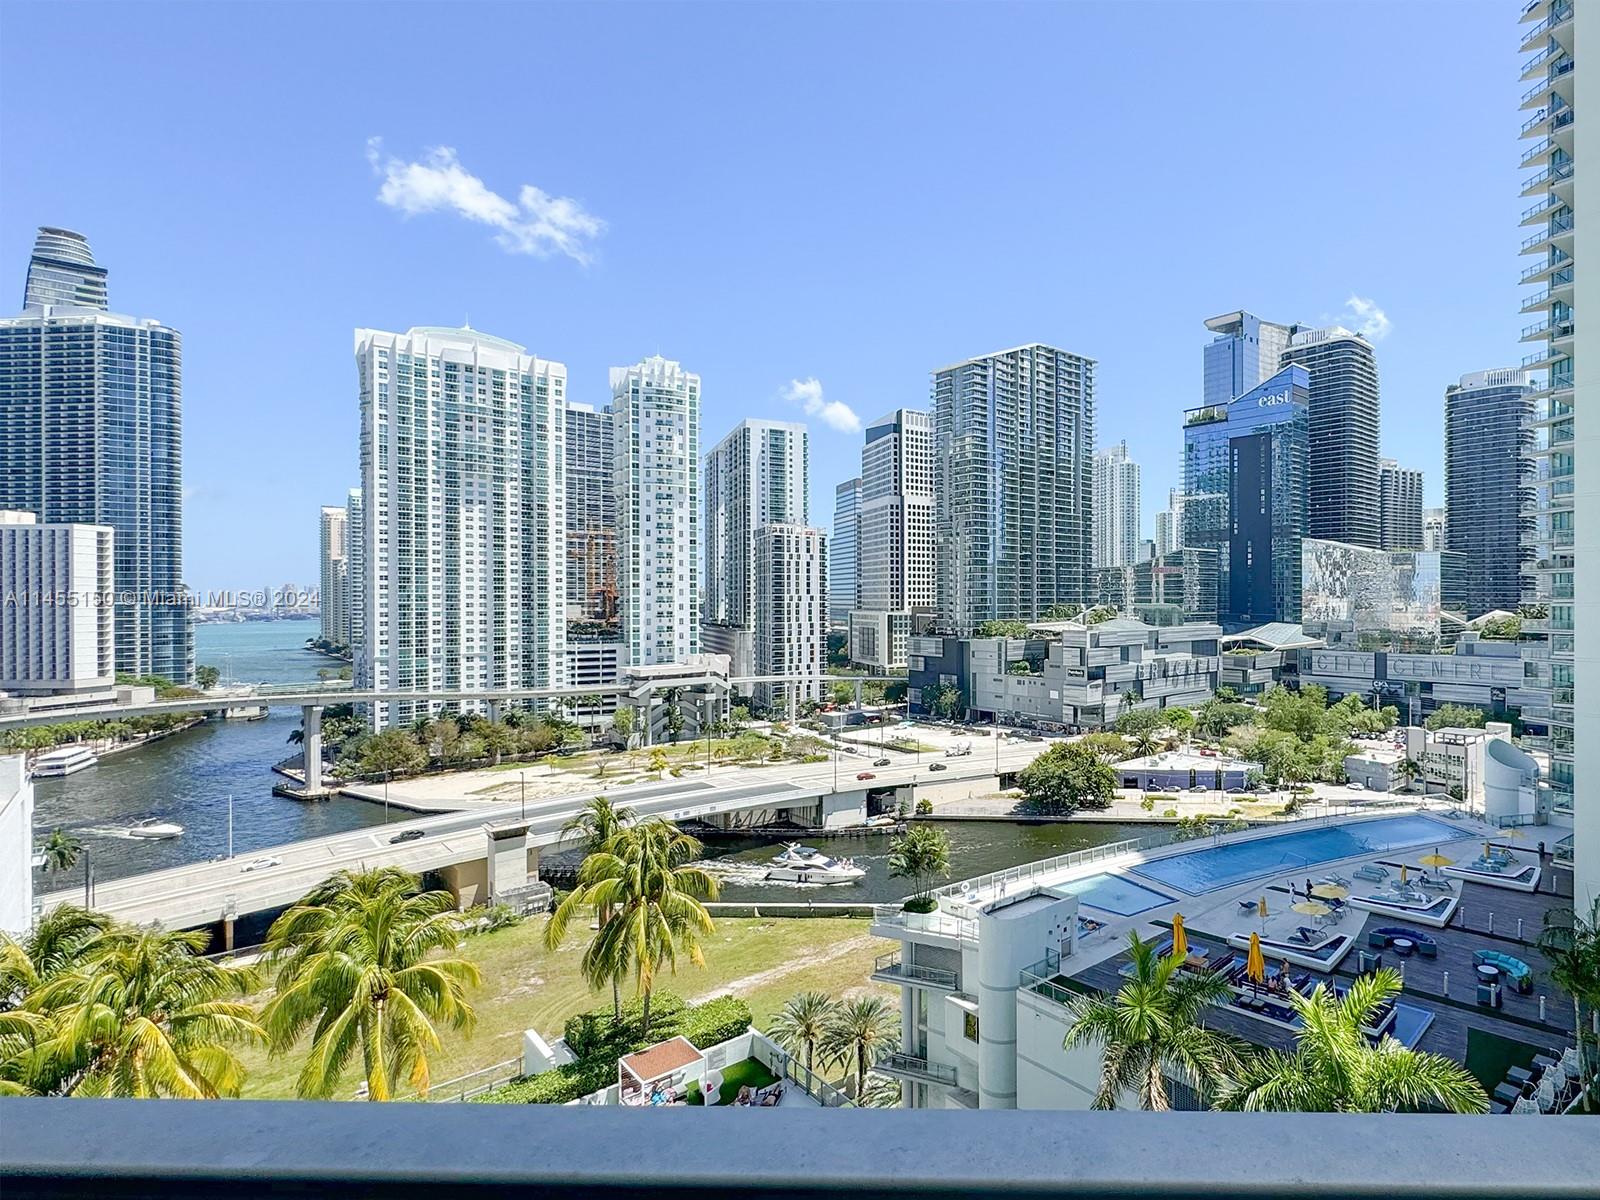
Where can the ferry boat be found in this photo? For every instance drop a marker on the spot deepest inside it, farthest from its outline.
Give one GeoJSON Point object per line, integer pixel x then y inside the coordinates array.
{"type": "Point", "coordinates": [156, 829]}
{"type": "Point", "coordinates": [802, 864]}
{"type": "Point", "coordinates": [65, 761]}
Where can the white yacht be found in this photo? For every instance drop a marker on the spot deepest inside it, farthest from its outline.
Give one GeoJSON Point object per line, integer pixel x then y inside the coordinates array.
{"type": "Point", "coordinates": [155, 829]}
{"type": "Point", "coordinates": [65, 761]}
{"type": "Point", "coordinates": [802, 864]}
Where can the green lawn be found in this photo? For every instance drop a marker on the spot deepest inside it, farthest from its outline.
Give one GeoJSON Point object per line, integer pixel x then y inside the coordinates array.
{"type": "Point", "coordinates": [746, 1073]}
{"type": "Point", "coordinates": [527, 987]}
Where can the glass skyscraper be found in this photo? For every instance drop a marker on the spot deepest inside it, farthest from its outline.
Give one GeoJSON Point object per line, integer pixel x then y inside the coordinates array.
{"type": "Point", "coordinates": [1486, 469]}
{"type": "Point", "coordinates": [1245, 351]}
{"type": "Point", "coordinates": [1244, 483]}
{"type": "Point", "coordinates": [1343, 489]}
{"type": "Point", "coordinates": [91, 433]}
{"type": "Point", "coordinates": [842, 556]}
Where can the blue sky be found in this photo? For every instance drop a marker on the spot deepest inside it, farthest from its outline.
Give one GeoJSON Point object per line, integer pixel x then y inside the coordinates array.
{"type": "Point", "coordinates": [850, 194]}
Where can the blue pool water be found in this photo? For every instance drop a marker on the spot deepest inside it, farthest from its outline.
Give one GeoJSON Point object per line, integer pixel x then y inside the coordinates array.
{"type": "Point", "coordinates": [1203, 870]}
{"type": "Point", "coordinates": [1115, 894]}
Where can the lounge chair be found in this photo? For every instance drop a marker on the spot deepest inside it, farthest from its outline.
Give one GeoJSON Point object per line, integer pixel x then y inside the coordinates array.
{"type": "Point", "coordinates": [1435, 883]}
{"type": "Point", "coordinates": [1336, 879]}
{"type": "Point", "coordinates": [1306, 935]}
{"type": "Point", "coordinates": [1372, 874]}
{"type": "Point", "coordinates": [774, 1094]}
{"type": "Point", "coordinates": [1249, 905]}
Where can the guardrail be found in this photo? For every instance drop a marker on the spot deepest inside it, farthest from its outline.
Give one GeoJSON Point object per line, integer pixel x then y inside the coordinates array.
{"type": "Point", "coordinates": [475, 1083]}
{"type": "Point", "coordinates": [940, 923]}
{"type": "Point", "coordinates": [891, 965]}
{"type": "Point", "coordinates": [1027, 871]}
{"type": "Point", "coordinates": [920, 1068]}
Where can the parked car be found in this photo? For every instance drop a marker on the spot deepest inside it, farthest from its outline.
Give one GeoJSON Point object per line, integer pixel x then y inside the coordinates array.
{"type": "Point", "coordinates": [260, 864]}
{"type": "Point", "coordinates": [866, 775]}
{"type": "Point", "coordinates": [1208, 753]}
{"type": "Point", "coordinates": [1356, 785]}
{"type": "Point", "coordinates": [880, 762]}
{"type": "Point", "coordinates": [1237, 791]}
{"type": "Point", "coordinates": [1199, 787]}
{"type": "Point", "coordinates": [407, 835]}
{"type": "Point", "coordinates": [937, 767]}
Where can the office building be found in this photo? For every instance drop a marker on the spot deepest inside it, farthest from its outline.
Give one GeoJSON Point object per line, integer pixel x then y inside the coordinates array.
{"type": "Point", "coordinates": [591, 520]}
{"type": "Point", "coordinates": [791, 612]}
{"type": "Point", "coordinates": [1014, 446]}
{"type": "Point", "coordinates": [355, 535]}
{"type": "Point", "coordinates": [1361, 598]}
{"type": "Point", "coordinates": [1399, 506]}
{"type": "Point", "coordinates": [1169, 524]}
{"type": "Point", "coordinates": [464, 564]}
{"type": "Point", "coordinates": [56, 623]}
{"type": "Point", "coordinates": [1116, 508]}
{"type": "Point", "coordinates": [842, 556]}
{"type": "Point", "coordinates": [655, 407]}
{"type": "Point", "coordinates": [1433, 528]}
{"type": "Point", "coordinates": [91, 434]}
{"type": "Point", "coordinates": [757, 475]}
{"type": "Point", "coordinates": [1245, 352]}
{"type": "Point", "coordinates": [1486, 483]}
{"type": "Point", "coordinates": [334, 577]}
{"type": "Point", "coordinates": [1244, 485]}
{"type": "Point", "coordinates": [897, 567]}
{"type": "Point", "coordinates": [1175, 588]}
{"type": "Point", "coordinates": [1563, 651]}
{"type": "Point", "coordinates": [1342, 480]}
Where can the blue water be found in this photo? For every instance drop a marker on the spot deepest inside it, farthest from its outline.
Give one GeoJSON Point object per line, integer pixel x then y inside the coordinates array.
{"type": "Point", "coordinates": [1114, 894]}
{"type": "Point", "coordinates": [1202, 871]}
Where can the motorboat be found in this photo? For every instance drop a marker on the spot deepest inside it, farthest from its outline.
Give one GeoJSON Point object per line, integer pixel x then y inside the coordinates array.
{"type": "Point", "coordinates": [155, 829]}
{"type": "Point", "coordinates": [803, 864]}
{"type": "Point", "coordinates": [66, 761]}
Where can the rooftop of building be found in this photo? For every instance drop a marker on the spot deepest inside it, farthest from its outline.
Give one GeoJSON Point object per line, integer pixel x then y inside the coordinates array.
{"type": "Point", "coordinates": [1275, 635]}
{"type": "Point", "coordinates": [1184, 760]}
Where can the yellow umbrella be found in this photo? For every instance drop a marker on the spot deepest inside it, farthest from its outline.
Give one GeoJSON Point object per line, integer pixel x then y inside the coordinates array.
{"type": "Point", "coordinates": [1312, 908]}
{"type": "Point", "coordinates": [1435, 860]}
{"type": "Point", "coordinates": [1330, 891]}
{"type": "Point", "coordinates": [1255, 966]}
{"type": "Point", "coordinates": [1512, 832]}
{"type": "Point", "coordinates": [1402, 872]}
{"type": "Point", "coordinates": [1261, 908]}
{"type": "Point", "coordinates": [1180, 938]}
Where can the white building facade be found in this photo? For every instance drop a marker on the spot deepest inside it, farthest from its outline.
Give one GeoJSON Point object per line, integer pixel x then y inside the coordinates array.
{"type": "Point", "coordinates": [57, 620]}
{"type": "Point", "coordinates": [334, 586]}
{"type": "Point", "coordinates": [16, 846]}
{"type": "Point", "coordinates": [791, 629]}
{"type": "Point", "coordinates": [1116, 508]}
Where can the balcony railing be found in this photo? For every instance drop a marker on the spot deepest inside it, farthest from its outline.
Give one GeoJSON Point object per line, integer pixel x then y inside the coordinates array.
{"type": "Point", "coordinates": [1550, 175]}
{"type": "Point", "coordinates": [1558, 225]}
{"type": "Point", "coordinates": [1545, 84]}
{"type": "Point", "coordinates": [984, 885]}
{"type": "Point", "coordinates": [256, 1149]}
{"type": "Point", "coordinates": [1538, 150]}
{"type": "Point", "coordinates": [940, 923]}
{"type": "Point", "coordinates": [911, 1067]}
{"type": "Point", "coordinates": [890, 969]}
{"type": "Point", "coordinates": [1557, 17]}
{"type": "Point", "coordinates": [1542, 57]}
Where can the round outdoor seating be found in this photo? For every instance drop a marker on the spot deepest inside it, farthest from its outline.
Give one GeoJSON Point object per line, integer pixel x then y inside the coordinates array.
{"type": "Point", "coordinates": [1421, 944]}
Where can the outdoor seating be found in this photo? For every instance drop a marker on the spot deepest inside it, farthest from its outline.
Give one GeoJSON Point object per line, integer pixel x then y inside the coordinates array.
{"type": "Point", "coordinates": [1518, 972]}
{"type": "Point", "coordinates": [1336, 879]}
{"type": "Point", "coordinates": [1508, 1093]}
{"type": "Point", "coordinates": [1372, 873]}
{"type": "Point", "coordinates": [1248, 905]}
{"type": "Point", "coordinates": [1519, 1075]}
{"type": "Point", "coordinates": [1306, 935]}
{"type": "Point", "coordinates": [1435, 883]}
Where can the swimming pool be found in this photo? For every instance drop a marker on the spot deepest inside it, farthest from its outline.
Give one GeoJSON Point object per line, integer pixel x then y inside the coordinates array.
{"type": "Point", "coordinates": [1219, 866]}
{"type": "Point", "coordinates": [1114, 894]}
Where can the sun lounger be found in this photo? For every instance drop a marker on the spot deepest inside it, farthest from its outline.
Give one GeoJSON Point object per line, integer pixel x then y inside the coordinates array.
{"type": "Point", "coordinates": [1372, 874]}
{"type": "Point", "coordinates": [774, 1094]}
{"type": "Point", "coordinates": [1248, 905]}
{"type": "Point", "coordinates": [1306, 935]}
{"type": "Point", "coordinates": [1335, 879]}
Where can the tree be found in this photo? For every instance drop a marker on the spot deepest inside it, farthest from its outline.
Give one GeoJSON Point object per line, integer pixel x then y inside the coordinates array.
{"type": "Point", "coordinates": [1336, 1069]}
{"type": "Point", "coordinates": [367, 963]}
{"type": "Point", "coordinates": [61, 850]}
{"type": "Point", "coordinates": [861, 1031]}
{"type": "Point", "coordinates": [1065, 778]}
{"type": "Point", "coordinates": [1455, 716]}
{"type": "Point", "coordinates": [1133, 721]}
{"type": "Point", "coordinates": [1151, 1028]}
{"type": "Point", "coordinates": [1109, 748]}
{"type": "Point", "coordinates": [297, 736]}
{"type": "Point", "coordinates": [1180, 720]}
{"type": "Point", "coordinates": [1302, 713]}
{"type": "Point", "coordinates": [1410, 770]}
{"type": "Point", "coordinates": [1507, 628]}
{"type": "Point", "coordinates": [1005, 629]}
{"type": "Point", "coordinates": [207, 677]}
{"type": "Point", "coordinates": [139, 1013]}
{"type": "Point", "coordinates": [600, 823]}
{"type": "Point", "coordinates": [1571, 945]}
{"type": "Point", "coordinates": [654, 897]}
{"type": "Point", "coordinates": [622, 725]}
{"type": "Point", "coordinates": [739, 716]}
{"type": "Point", "coordinates": [658, 761]}
{"type": "Point", "coordinates": [802, 1024]}
{"type": "Point", "coordinates": [945, 700]}
{"type": "Point", "coordinates": [498, 739]}
{"type": "Point", "coordinates": [921, 854]}
{"type": "Point", "coordinates": [1145, 743]}
{"type": "Point", "coordinates": [842, 693]}
{"type": "Point", "coordinates": [392, 752]}
{"type": "Point", "coordinates": [1217, 718]}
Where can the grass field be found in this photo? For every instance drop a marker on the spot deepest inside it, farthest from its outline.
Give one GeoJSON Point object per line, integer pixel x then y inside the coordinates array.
{"type": "Point", "coordinates": [526, 986]}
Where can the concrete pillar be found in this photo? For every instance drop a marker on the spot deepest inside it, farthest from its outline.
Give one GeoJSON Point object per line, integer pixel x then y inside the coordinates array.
{"type": "Point", "coordinates": [494, 710]}
{"type": "Point", "coordinates": [859, 682]}
{"type": "Point", "coordinates": [230, 914]}
{"type": "Point", "coordinates": [311, 745]}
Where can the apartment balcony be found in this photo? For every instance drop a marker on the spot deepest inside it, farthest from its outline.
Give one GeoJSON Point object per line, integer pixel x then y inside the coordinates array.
{"type": "Point", "coordinates": [1530, 215]}
{"type": "Point", "coordinates": [1538, 61]}
{"type": "Point", "coordinates": [888, 968]}
{"type": "Point", "coordinates": [1543, 358]}
{"type": "Point", "coordinates": [1558, 231]}
{"type": "Point", "coordinates": [920, 1070]}
{"type": "Point", "coordinates": [1535, 152]}
{"type": "Point", "coordinates": [1551, 179]}
{"type": "Point", "coordinates": [1542, 271]}
{"type": "Point", "coordinates": [938, 928]}
{"type": "Point", "coordinates": [1540, 91]}
{"type": "Point", "coordinates": [1557, 22]}
{"type": "Point", "coordinates": [1547, 119]}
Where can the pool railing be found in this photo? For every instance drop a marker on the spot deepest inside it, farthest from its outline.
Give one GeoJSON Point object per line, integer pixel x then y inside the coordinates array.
{"type": "Point", "coordinates": [983, 886]}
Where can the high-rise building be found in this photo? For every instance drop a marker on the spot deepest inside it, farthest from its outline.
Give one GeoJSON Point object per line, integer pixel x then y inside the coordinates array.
{"type": "Point", "coordinates": [1434, 526]}
{"type": "Point", "coordinates": [1014, 448]}
{"type": "Point", "coordinates": [842, 555]}
{"type": "Point", "coordinates": [591, 516]}
{"type": "Point", "coordinates": [1342, 485]}
{"type": "Point", "coordinates": [791, 611]}
{"type": "Point", "coordinates": [1399, 506]}
{"type": "Point", "coordinates": [1117, 503]}
{"type": "Point", "coordinates": [1169, 524]}
{"type": "Point", "coordinates": [757, 475]}
{"type": "Point", "coordinates": [56, 624]}
{"type": "Point", "coordinates": [1168, 589]}
{"type": "Point", "coordinates": [1244, 485]}
{"type": "Point", "coordinates": [1562, 653]}
{"type": "Point", "coordinates": [355, 534]}
{"type": "Point", "coordinates": [897, 570]}
{"type": "Point", "coordinates": [464, 561]}
{"type": "Point", "coordinates": [1486, 437]}
{"type": "Point", "coordinates": [1245, 351]}
{"type": "Point", "coordinates": [334, 583]}
{"type": "Point", "coordinates": [91, 433]}
{"type": "Point", "coordinates": [655, 408]}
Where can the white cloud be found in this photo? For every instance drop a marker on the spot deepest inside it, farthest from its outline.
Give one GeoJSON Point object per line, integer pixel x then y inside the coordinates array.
{"type": "Point", "coordinates": [807, 393]}
{"type": "Point", "coordinates": [1371, 322]}
{"type": "Point", "coordinates": [535, 223]}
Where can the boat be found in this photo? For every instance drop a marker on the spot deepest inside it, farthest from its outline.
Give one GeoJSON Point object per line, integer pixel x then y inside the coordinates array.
{"type": "Point", "coordinates": [66, 761]}
{"type": "Point", "coordinates": [155, 829]}
{"type": "Point", "coordinates": [803, 864]}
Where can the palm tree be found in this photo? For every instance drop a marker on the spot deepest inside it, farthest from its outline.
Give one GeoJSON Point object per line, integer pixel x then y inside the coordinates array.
{"type": "Point", "coordinates": [1336, 1069]}
{"type": "Point", "coordinates": [297, 736]}
{"type": "Point", "coordinates": [1571, 945]}
{"type": "Point", "coordinates": [600, 823]}
{"type": "Point", "coordinates": [861, 1031]}
{"type": "Point", "coordinates": [367, 962]}
{"type": "Point", "coordinates": [1144, 743]}
{"type": "Point", "coordinates": [61, 850]}
{"type": "Point", "coordinates": [654, 901]}
{"type": "Point", "coordinates": [920, 855]}
{"type": "Point", "coordinates": [1409, 770]}
{"type": "Point", "coordinates": [140, 1014]}
{"type": "Point", "coordinates": [1151, 1028]}
{"type": "Point", "coordinates": [802, 1024]}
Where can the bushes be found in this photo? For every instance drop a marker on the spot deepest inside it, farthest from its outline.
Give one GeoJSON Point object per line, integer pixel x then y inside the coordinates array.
{"type": "Point", "coordinates": [714, 1021]}
{"type": "Point", "coordinates": [924, 807]}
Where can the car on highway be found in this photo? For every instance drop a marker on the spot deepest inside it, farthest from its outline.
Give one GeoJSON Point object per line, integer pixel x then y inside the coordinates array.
{"type": "Point", "coordinates": [937, 767]}
{"type": "Point", "coordinates": [261, 864]}
{"type": "Point", "coordinates": [866, 775]}
{"type": "Point", "coordinates": [1237, 791]}
{"type": "Point", "coordinates": [880, 762]}
{"type": "Point", "coordinates": [1199, 787]}
{"type": "Point", "coordinates": [407, 835]}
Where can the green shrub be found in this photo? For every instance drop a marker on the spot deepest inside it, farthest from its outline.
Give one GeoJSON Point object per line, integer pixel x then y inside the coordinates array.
{"type": "Point", "coordinates": [1148, 804]}
{"type": "Point", "coordinates": [557, 1086]}
{"type": "Point", "coordinates": [920, 904]}
{"type": "Point", "coordinates": [924, 807]}
{"type": "Point", "coordinates": [1171, 812]}
{"type": "Point", "coordinates": [715, 1021]}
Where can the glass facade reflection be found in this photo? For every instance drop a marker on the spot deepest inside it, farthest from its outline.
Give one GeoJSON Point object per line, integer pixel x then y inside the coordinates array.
{"type": "Point", "coordinates": [1370, 599]}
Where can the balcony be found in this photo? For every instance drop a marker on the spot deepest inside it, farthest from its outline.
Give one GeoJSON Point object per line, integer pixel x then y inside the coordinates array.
{"type": "Point", "coordinates": [1539, 59]}
{"type": "Point", "coordinates": [1541, 270]}
{"type": "Point", "coordinates": [1537, 151]}
{"type": "Point", "coordinates": [887, 968]}
{"type": "Point", "coordinates": [1541, 89]}
{"type": "Point", "coordinates": [909, 1066]}
{"type": "Point", "coordinates": [1548, 179]}
{"type": "Point", "coordinates": [1557, 18]}
{"type": "Point", "coordinates": [897, 923]}
{"type": "Point", "coordinates": [1556, 227]}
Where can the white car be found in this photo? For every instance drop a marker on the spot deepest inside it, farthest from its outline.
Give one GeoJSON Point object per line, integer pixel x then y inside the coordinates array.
{"type": "Point", "coordinates": [261, 864]}
{"type": "Point", "coordinates": [1355, 785]}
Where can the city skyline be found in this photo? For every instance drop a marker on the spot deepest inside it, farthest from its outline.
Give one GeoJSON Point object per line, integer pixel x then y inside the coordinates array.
{"type": "Point", "coordinates": [639, 293]}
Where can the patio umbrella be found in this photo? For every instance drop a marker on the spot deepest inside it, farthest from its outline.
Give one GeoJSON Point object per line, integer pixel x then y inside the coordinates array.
{"type": "Point", "coordinates": [1330, 891]}
{"type": "Point", "coordinates": [1261, 911]}
{"type": "Point", "coordinates": [1435, 859]}
{"type": "Point", "coordinates": [1402, 872]}
{"type": "Point", "coordinates": [1312, 908]}
{"type": "Point", "coordinates": [1180, 938]}
{"type": "Point", "coordinates": [1255, 965]}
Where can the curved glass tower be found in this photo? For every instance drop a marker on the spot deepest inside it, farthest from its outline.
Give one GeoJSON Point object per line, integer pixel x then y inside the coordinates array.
{"type": "Point", "coordinates": [62, 271]}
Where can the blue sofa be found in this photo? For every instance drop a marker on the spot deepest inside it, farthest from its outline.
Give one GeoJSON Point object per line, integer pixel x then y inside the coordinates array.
{"type": "Point", "coordinates": [1381, 939]}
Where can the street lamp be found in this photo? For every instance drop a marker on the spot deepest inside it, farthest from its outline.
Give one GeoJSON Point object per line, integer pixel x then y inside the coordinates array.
{"type": "Point", "coordinates": [523, 777]}
{"type": "Point", "coordinates": [386, 796]}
